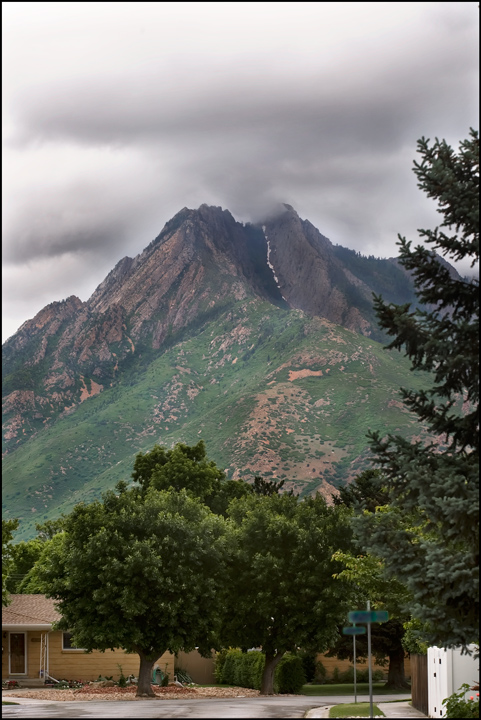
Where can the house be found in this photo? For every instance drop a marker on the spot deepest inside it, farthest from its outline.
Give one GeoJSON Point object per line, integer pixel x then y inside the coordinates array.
{"type": "Point", "coordinates": [32, 652]}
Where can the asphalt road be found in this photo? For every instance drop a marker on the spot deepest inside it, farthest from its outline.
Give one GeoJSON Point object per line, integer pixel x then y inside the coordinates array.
{"type": "Point", "coordinates": [261, 707]}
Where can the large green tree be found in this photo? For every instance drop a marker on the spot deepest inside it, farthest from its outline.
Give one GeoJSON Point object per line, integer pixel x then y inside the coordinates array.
{"type": "Point", "coordinates": [8, 528]}
{"type": "Point", "coordinates": [188, 468]}
{"type": "Point", "coordinates": [367, 580]}
{"type": "Point", "coordinates": [429, 537]}
{"type": "Point", "coordinates": [280, 593]}
{"type": "Point", "coordinates": [143, 574]}
{"type": "Point", "coordinates": [24, 555]}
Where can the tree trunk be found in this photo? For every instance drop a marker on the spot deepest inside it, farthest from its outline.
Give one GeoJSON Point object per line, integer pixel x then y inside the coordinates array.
{"type": "Point", "coordinates": [144, 686]}
{"type": "Point", "coordinates": [395, 676]}
{"type": "Point", "coordinates": [267, 684]}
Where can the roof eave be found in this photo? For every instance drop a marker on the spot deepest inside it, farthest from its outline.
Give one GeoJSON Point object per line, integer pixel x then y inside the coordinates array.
{"type": "Point", "coordinates": [22, 627]}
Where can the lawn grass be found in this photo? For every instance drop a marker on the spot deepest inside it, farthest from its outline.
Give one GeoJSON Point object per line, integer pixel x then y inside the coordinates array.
{"type": "Point", "coordinates": [348, 689]}
{"type": "Point", "coordinates": [347, 710]}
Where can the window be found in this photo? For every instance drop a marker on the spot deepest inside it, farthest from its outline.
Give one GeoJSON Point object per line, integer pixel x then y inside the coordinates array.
{"type": "Point", "coordinates": [67, 643]}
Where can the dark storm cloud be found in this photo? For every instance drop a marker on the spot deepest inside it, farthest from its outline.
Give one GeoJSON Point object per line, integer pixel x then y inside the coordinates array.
{"type": "Point", "coordinates": [78, 224]}
{"type": "Point", "coordinates": [123, 125]}
{"type": "Point", "coordinates": [248, 141]}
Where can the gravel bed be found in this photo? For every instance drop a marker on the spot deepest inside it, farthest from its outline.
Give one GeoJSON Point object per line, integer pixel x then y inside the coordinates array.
{"type": "Point", "coordinates": [115, 693]}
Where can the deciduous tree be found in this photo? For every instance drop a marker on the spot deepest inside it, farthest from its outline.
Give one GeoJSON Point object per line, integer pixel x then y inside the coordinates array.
{"type": "Point", "coordinates": [280, 593]}
{"type": "Point", "coordinates": [8, 528]}
{"type": "Point", "coordinates": [367, 580]}
{"type": "Point", "coordinates": [143, 574]}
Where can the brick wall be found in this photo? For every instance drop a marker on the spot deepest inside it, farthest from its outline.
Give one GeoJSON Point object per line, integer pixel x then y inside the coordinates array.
{"type": "Point", "coordinates": [77, 664]}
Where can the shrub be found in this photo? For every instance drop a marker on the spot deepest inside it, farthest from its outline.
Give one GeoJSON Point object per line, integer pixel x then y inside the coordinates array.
{"type": "Point", "coordinates": [122, 679]}
{"type": "Point", "coordinates": [321, 673]}
{"type": "Point", "coordinates": [309, 665]}
{"type": "Point", "coordinates": [289, 675]}
{"type": "Point", "coordinates": [458, 707]}
{"type": "Point", "coordinates": [228, 671]}
{"type": "Point", "coordinates": [336, 676]}
{"type": "Point", "coordinates": [219, 663]}
{"type": "Point", "coordinates": [243, 669]}
{"type": "Point", "coordinates": [182, 675]}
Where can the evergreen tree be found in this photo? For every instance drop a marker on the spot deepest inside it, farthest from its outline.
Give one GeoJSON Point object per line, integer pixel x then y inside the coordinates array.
{"type": "Point", "coordinates": [429, 535]}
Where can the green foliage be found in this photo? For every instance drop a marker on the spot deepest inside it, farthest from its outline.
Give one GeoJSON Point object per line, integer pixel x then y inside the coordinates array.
{"type": "Point", "coordinates": [367, 579]}
{"type": "Point", "coordinates": [183, 675]}
{"type": "Point", "coordinates": [24, 555]}
{"type": "Point", "coordinates": [429, 536]}
{"type": "Point", "coordinates": [412, 641]}
{"type": "Point", "coordinates": [367, 491]}
{"type": "Point", "coordinates": [242, 669]}
{"type": "Point", "coordinates": [218, 501]}
{"type": "Point", "coordinates": [308, 664]}
{"type": "Point", "coordinates": [349, 710]}
{"type": "Point", "coordinates": [34, 581]}
{"type": "Point", "coordinates": [8, 528]}
{"type": "Point", "coordinates": [346, 677]}
{"type": "Point", "coordinates": [320, 675]}
{"type": "Point", "coordinates": [83, 453]}
{"type": "Point", "coordinates": [49, 528]}
{"type": "Point", "coordinates": [141, 574]}
{"type": "Point", "coordinates": [289, 675]}
{"type": "Point", "coordinates": [219, 662]}
{"type": "Point", "coordinates": [183, 467]}
{"type": "Point", "coordinates": [268, 487]}
{"type": "Point", "coordinates": [245, 669]}
{"type": "Point", "coordinates": [457, 706]}
{"type": "Point", "coordinates": [122, 679]}
{"type": "Point", "coordinates": [280, 590]}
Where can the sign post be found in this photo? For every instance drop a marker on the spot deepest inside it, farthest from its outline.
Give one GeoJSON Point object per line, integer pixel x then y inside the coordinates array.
{"type": "Point", "coordinates": [369, 661]}
{"type": "Point", "coordinates": [354, 631]}
{"type": "Point", "coordinates": [354, 658]}
{"type": "Point", "coordinates": [364, 616]}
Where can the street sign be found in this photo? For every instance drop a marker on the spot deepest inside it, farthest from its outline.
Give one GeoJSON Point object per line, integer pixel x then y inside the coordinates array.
{"type": "Point", "coordinates": [354, 631]}
{"type": "Point", "coordinates": [368, 616]}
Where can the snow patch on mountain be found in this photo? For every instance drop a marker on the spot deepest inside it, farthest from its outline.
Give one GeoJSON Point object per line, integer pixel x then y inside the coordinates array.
{"type": "Point", "coordinates": [269, 261]}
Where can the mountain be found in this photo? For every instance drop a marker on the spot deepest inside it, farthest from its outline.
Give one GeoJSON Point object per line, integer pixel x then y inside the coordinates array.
{"type": "Point", "coordinates": [259, 338]}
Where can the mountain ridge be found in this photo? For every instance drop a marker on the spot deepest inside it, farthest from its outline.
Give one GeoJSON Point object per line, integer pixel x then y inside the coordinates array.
{"type": "Point", "coordinates": [269, 326]}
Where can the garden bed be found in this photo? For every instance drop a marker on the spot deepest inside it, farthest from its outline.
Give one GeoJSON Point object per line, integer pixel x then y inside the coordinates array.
{"type": "Point", "coordinates": [128, 693]}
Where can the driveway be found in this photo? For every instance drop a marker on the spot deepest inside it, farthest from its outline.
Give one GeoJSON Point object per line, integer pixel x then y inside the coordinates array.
{"type": "Point", "coordinates": [260, 707]}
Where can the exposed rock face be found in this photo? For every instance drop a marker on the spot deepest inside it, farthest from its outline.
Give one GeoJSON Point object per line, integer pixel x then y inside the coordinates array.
{"type": "Point", "coordinates": [202, 261]}
{"type": "Point", "coordinates": [310, 277]}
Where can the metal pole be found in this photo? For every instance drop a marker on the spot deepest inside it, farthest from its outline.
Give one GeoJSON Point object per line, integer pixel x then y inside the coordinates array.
{"type": "Point", "coordinates": [355, 688]}
{"type": "Point", "coordinates": [369, 661]}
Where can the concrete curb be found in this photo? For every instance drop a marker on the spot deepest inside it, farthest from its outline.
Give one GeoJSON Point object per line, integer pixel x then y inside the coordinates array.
{"type": "Point", "coordinates": [319, 712]}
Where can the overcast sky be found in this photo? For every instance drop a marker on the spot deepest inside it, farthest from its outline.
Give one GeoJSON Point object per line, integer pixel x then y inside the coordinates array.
{"type": "Point", "coordinates": [118, 115]}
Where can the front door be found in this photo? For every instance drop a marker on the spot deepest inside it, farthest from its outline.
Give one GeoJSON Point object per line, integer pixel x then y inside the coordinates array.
{"type": "Point", "coordinates": [17, 654]}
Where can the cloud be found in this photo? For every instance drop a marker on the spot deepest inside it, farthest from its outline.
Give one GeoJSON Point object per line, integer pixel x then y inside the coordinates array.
{"type": "Point", "coordinates": [115, 121]}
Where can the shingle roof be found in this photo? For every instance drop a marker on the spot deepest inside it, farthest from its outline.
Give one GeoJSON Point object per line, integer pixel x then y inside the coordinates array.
{"type": "Point", "coordinates": [30, 610]}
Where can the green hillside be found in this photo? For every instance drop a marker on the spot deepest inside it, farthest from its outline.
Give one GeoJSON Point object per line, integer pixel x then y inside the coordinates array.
{"type": "Point", "coordinates": [272, 392]}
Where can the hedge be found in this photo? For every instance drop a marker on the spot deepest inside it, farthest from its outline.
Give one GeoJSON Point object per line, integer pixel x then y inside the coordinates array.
{"type": "Point", "coordinates": [244, 669]}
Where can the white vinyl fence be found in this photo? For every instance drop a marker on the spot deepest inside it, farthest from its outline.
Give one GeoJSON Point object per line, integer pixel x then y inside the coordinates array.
{"type": "Point", "coordinates": [447, 671]}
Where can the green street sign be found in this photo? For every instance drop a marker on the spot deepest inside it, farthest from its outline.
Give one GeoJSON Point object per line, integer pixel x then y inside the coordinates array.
{"type": "Point", "coordinates": [368, 616]}
{"type": "Point", "coordinates": [354, 631]}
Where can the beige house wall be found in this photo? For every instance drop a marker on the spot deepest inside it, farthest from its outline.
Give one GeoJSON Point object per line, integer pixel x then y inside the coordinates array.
{"type": "Point", "coordinates": [77, 664]}
{"type": "Point", "coordinates": [200, 669]}
{"type": "Point", "coordinates": [331, 662]}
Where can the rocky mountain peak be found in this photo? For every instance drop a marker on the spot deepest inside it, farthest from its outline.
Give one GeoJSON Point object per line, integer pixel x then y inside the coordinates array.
{"type": "Point", "coordinates": [200, 266]}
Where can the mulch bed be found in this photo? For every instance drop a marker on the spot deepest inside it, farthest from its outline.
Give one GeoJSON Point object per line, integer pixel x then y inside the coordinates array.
{"type": "Point", "coordinates": [128, 693]}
